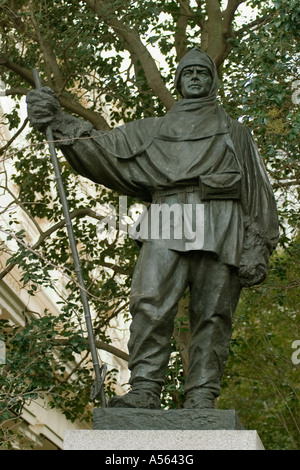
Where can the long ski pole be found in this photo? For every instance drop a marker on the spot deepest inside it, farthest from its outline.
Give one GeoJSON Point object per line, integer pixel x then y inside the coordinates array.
{"type": "Point", "coordinates": [98, 387]}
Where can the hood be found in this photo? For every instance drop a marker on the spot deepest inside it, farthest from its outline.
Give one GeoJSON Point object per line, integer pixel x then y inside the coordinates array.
{"type": "Point", "coordinates": [197, 57]}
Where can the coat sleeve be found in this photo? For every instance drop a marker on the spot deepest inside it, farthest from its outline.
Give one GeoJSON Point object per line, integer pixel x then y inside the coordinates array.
{"type": "Point", "coordinates": [105, 157]}
{"type": "Point", "coordinates": [261, 226]}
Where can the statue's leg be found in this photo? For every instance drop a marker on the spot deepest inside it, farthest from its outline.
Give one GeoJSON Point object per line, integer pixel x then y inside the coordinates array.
{"type": "Point", "coordinates": [215, 290]}
{"type": "Point", "coordinates": [158, 284]}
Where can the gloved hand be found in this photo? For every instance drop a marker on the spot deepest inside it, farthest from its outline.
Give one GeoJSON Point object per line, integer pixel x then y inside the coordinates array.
{"type": "Point", "coordinates": [43, 108]}
{"type": "Point", "coordinates": [253, 268]}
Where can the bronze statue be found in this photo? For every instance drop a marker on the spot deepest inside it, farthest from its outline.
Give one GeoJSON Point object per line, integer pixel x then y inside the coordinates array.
{"type": "Point", "coordinates": [194, 156]}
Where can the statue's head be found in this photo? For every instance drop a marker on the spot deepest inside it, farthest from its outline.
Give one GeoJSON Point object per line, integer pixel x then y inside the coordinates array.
{"type": "Point", "coordinates": [196, 75]}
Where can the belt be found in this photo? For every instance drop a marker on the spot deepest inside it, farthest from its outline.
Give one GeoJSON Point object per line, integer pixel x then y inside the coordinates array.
{"type": "Point", "coordinates": [175, 190]}
{"type": "Point", "coordinates": [218, 186]}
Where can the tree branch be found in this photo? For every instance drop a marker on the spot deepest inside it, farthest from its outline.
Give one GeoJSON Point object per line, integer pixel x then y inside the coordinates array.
{"type": "Point", "coordinates": [48, 53]}
{"type": "Point", "coordinates": [213, 10]}
{"type": "Point", "coordinates": [134, 45]}
{"type": "Point", "coordinates": [185, 7]}
{"type": "Point", "coordinates": [114, 267]}
{"type": "Point", "coordinates": [180, 38]}
{"type": "Point", "coordinates": [21, 204]}
{"type": "Point", "coordinates": [16, 91]}
{"type": "Point", "coordinates": [282, 184]}
{"type": "Point", "coordinates": [21, 71]}
{"type": "Point", "coordinates": [67, 102]}
{"type": "Point", "coordinates": [214, 29]}
{"type": "Point", "coordinates": [100, 345]}
{"type": "Point", "coordinates": [257, 22]}
{"type": "Point", "coordinates": [76, 213]}
{"type": "Point", "coordinates": [5, 147]}
{"type": "Point", "coordinates": [229, 13]}
{"type": "Point", "coordinates": [219, 29]}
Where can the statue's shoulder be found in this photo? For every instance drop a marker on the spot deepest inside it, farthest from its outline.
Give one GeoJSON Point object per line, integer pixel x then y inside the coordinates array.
{"type": "Point", "coordinates": [236, 125]}
{"type": "Point", "coordinates": [238, 129]}
{"type": "Point", "coordinates": [140, 125]}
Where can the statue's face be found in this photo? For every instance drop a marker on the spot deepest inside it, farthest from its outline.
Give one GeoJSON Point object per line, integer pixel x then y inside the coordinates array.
{"type": "Point", "coordinates": [195, 81]}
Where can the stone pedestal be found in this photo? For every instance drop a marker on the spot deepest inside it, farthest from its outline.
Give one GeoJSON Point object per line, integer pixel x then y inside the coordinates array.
{"type": "Point", "coordinates": [176, 441]}
{"type": "Point", "coordinates": [182, 419]}
{"type": "Point", "coordinates": [128, 429]}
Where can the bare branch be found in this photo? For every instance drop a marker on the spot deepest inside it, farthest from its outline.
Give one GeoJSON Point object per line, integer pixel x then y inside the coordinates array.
{"type": "Point", "coordinates": [21, 204]}
{"type": "Point", "coordinates": [3, 149]}
{"type": "Point", "coordinates": [135, 46]}
{"type": "Point", "coordinates": [215, 38]}
{"type": "Point", "coordinates": [16, 91]}
{"type": "Point", "coordinates": [48, 53]}
{"type": "Point", "coordinates": [21, 71]}
{"type": "Point", "coordinates": [213, 8]}
{"type": "Point", "coordinates": [68, 103]}
{"type": "Point", "coordinates": [286, 184]}
{"type": "Point", "coordinates": [114, 267]}
{"type": "Point", "coordinates": [100, 345]}
{"type": "Point", "coordinates": [185, 7]}
{"type": "Point", "coordinates": [229, 13]}
{"type": "Point", "coordinates": [180, 37]}
{"type": "Point", "coordinates": [219, 29]}
{"type": "Point", "coordinates": [76, 213]}
{"type": "Point", "coordinates": [253, 24]}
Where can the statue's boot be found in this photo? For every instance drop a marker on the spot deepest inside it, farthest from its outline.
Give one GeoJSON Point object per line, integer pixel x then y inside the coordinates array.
{"type": "Point", "coordinates": [199, 398]}
{"type": "Point", "coordinates": [144, 394]}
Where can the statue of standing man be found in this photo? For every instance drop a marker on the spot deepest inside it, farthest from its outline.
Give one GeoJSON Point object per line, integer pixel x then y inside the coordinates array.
{"type": "Point", "coordinates": [194, 156]}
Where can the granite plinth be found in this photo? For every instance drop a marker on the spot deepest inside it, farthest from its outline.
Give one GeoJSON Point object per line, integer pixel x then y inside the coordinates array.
{"type": "Point", "coordinates": [178, 430]}
{"type": "Point", "coordinates": [176, 440]}
{"type": "Point", "coordinates": [181, 419]}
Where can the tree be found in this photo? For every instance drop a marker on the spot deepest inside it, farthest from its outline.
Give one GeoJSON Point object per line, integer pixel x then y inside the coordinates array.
{"type": "Point", "coordinates": [261, 374]}
{"type": "Point", "coordinates": [109, 63]}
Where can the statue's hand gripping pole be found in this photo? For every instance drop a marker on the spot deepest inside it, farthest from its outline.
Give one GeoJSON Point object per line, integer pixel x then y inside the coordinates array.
{"type": "Point", "coordinates": [98, 387]}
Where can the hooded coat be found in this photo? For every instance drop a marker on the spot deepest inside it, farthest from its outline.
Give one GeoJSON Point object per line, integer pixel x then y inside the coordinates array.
{"type": "Point", "coordinates": [194, 156]}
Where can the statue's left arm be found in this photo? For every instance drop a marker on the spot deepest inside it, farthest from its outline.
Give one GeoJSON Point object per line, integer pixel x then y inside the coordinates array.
{"type": "Point", "coordinates": [259, 207]}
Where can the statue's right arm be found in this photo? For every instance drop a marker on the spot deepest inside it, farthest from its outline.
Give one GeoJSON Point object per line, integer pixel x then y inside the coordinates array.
{"type": "Point", "coordinates": [90, 152]}
{"type": "Point", "coordinates": [43, 109]}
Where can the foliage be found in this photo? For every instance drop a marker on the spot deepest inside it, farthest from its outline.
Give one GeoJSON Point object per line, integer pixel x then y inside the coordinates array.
{"type": "Point", "coordinates": [261, 381]}
{"type": "Point", "coordinates": [46, 360]}
{"type": "Point", "coordinates": [110, 63]}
